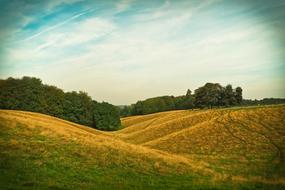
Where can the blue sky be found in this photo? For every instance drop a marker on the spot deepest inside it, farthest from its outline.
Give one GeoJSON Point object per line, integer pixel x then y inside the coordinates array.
{"type": "Point", "coordinates": [126, 50]}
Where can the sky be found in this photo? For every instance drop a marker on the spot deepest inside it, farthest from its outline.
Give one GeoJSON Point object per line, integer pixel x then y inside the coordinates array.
{"type": "Point", "coordinates": [122, 51]}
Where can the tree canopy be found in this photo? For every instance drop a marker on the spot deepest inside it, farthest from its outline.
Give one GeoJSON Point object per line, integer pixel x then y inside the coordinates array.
{"type": "Point", "coordinates": [208, 96]}
{"type": "Point", "coordinates": [30, 94]}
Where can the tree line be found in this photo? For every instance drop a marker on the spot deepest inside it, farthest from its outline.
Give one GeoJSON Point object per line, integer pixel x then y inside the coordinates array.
{"type": "Point", "coordinates": [30, 94]}
{"type": "Point", "coordinates": [208, 96]}
{"type": "Point", "coordinates": [264, 101]}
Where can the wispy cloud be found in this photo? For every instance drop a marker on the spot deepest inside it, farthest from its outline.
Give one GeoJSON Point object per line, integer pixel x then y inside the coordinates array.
{"type": "Point", "coordinates": [84, 32]}
{"type": "Point", "coordinates": [123, 5]}
{"type": "Point", "coordinates": [55, 3]}
{"type": "Point", "coordinates": [162, 47]}
{"type": "Point", "coordinates": [55, 26]}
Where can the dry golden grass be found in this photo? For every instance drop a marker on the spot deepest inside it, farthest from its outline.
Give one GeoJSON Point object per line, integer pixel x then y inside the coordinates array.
{"type": "Point", "coordinates": [102, 143]}
{"type": "Point", "coordinates": [163, 125]}
{"type": "Point", "coordinates": [238, 144]}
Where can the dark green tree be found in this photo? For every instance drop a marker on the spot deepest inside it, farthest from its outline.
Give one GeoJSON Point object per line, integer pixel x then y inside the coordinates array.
{"type": "Point", "coordinates": [188, 93]}
{"type": "Point", "coordinates": [30, 94]}
{"type": "Point", "coordinates": [208, 96]}
{"type": "Point", "coordinates": [228, 98]}
{"type": "Point", "coordinates": [105, 116]}
{"type": "Point", "coordinates": [238, 95]}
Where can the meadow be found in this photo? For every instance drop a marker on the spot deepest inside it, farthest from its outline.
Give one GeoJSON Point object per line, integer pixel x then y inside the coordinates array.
{"type": "Point", "coordinates": [233, 148]}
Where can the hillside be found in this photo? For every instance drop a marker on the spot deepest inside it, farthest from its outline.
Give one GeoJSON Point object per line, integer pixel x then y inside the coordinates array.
{"type": "Point", "coordinates": [224, 148]}
{"type": "Point", "coordinates": [244, 143]}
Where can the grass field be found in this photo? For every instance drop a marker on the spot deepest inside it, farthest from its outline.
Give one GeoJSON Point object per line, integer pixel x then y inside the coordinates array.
{"type": "Point", "coordinates": [241, 148]}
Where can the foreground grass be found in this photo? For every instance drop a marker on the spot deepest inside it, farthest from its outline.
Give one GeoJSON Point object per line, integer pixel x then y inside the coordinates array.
{"type": "Point", "coordinates": [29, 160]}
{"type": "Point", "coordinates": [32, 158]}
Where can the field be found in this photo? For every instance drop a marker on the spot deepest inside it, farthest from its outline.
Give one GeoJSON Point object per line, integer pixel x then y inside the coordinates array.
{"type": "Point", "coordinates": [238, 148]}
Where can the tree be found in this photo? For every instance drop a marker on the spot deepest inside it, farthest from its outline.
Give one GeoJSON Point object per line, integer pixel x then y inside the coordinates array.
{"type": "Point", "coordinates": [188, 100]}
{"type": "Point", "coordinates": [30, 94]}
{"type": "Point", "coordinates": [125, 111]}
{"type": "Point", "coordinates": [105, 116]}
{"type": "Point", "coordinates": [188, 93]}
{"type": "Point", "coordinates": [238, 95]}
{"type": "Point", "coordinates": [229, 96]}
{"type": "Point", "coordinates": [208, 96]}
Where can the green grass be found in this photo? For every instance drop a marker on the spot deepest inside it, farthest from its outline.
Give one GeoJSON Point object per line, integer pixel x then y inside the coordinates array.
{"type": "Point", "coordinates": [30, 160]}
{"type": "Point", "coordinates": [38, 162]}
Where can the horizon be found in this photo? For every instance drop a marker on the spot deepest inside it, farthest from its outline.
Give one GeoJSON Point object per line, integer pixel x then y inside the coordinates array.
{"type": "Point", "coordinates": [124, 51]}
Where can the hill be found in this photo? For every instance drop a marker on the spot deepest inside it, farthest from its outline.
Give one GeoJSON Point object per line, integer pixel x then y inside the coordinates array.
{"type": "Point", "coordinates": [240, 148]}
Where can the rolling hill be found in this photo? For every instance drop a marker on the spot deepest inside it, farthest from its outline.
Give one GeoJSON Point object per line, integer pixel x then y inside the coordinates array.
{"type": "Point", "coordinates": [241, 148]}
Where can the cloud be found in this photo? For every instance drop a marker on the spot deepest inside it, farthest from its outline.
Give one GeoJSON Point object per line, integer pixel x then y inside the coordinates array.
{"type": "Point", "coordinates": [52, 4]}
{"type": "Point", "coordinates": [55, 26]}
{"type": "Point", "coordinates": [123, 5]}
{"type": "Point", "coordinates": [148, 51]}
{"type": "Point", "coordinates": [225, 37]}
{"type": "Point", "coordinates": [86, 31]}
{"type": "Point", "coordinates": [55, 45]}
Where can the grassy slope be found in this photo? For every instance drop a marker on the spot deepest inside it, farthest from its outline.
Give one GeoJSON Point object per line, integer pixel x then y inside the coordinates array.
{"type": "Point", "coordinates": [223, 149]}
